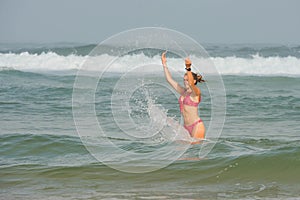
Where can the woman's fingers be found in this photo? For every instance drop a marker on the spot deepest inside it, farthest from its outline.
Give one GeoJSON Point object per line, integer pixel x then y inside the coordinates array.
{"type": "Point", "coordinates": [188, 61]}
{"type": "Point", "coordinates": [163, 57]}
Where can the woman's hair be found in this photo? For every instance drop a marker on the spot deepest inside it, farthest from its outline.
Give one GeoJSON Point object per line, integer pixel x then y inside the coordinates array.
{"type": "Point", "coordinates": [198, 78]}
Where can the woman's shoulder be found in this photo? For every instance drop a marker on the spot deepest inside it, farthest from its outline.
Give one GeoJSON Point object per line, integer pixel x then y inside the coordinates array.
{"type": "Point", "coordinates": [183, 93]}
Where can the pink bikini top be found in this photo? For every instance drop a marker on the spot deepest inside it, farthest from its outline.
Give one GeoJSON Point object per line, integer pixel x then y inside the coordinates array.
{"type": "Point", "coordinates": [187, 101]}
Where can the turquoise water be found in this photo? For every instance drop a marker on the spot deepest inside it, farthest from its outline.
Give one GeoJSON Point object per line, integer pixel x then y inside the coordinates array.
{"type": "Point", "coordinates": [42, 157]}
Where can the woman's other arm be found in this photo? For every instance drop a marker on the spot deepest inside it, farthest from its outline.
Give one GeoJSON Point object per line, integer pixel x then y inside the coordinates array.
{"type": "Point", "coordinates": [168, 76]}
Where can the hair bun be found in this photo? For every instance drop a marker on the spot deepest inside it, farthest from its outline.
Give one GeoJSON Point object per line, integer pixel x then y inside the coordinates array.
{"type": "Point", "coordinates": [199, 78]}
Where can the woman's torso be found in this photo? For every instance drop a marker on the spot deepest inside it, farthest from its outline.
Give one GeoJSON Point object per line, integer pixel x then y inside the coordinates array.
{"type": "Point", "coordinates": [189, 108]}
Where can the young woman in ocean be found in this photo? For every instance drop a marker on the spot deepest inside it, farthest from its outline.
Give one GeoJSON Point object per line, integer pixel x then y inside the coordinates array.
{"type": "Point", "coordinates": [190, 97]}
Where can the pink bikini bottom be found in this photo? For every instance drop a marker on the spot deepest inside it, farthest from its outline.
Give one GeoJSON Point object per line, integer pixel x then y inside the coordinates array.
{"type": "Point", "coordinates": [191, 127]}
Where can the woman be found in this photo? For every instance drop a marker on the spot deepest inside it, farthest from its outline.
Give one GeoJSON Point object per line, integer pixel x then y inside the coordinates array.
{"type": "Point", "coordinates": [189, 99]}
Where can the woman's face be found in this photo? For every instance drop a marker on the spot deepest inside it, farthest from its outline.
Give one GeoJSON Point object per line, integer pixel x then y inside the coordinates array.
{"type": "Point", "coordinates": [186, 82]}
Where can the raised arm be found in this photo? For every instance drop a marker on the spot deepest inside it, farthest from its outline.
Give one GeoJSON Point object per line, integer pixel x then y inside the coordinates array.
{"type": "Point", "coordinates": [195, 90]}
{"type": "Point", "coordinates": [168, 76]}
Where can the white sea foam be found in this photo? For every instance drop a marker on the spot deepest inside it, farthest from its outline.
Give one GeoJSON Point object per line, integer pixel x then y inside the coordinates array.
{"type": "Point", "coordinates": [256, 65]}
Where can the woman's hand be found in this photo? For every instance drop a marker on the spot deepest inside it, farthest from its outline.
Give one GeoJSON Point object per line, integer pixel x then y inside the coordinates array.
{"type": "Point", "coordinates": [164, 59]}
{"type": "Point", "coordinates": [188, 63]}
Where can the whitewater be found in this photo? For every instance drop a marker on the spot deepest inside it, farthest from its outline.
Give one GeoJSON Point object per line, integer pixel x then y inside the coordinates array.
{"type": "Point", "coordinates": [252, 61]}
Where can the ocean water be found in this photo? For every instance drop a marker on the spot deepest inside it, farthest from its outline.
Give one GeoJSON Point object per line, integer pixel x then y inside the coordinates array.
{"type": "Point", "coordinates": [257, 155]}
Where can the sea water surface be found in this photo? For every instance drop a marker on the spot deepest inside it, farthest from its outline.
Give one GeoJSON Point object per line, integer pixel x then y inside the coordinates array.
{"type": "Point", "coordinates": [256, 157]}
